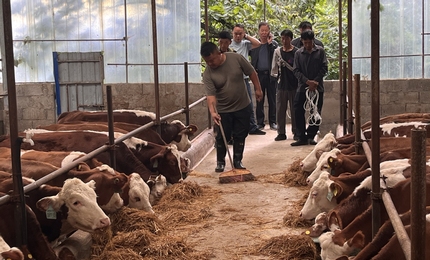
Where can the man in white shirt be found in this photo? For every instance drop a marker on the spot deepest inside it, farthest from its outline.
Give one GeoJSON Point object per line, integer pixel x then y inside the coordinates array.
{"type": "Point", "coordinates": [242, 44]}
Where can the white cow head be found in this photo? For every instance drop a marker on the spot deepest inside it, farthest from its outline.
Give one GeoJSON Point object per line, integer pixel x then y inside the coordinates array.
{"type": "Point", "coordinates": [139, 193]}
{"type": "Point", "coordinates": [322, 165]}
{"type": "Point", "coordinates": [114, 204]}
{"type": "Point", "coordinates": [326, 144]}
{"type": "Point", "coordinates": [184, 144]}
{"type": "Point", "coordinates": [331, 251]}
{"type": "Point", "coordinates": [321, 198]}
{"type": "Point", "coordinates": [158, 186]}
{"type": "Point", "coordinates": [80, 199]}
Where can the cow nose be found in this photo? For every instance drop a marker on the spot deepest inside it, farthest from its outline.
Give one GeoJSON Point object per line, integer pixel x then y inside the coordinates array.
{"type": "Point", "coordinates": [300, 215]}
{"type": "Point", "coordinates": [104, 222]}
{"type": "Point", "coordinates": [308, 181]}
{"type": "Point", "coordinates": [301, 164]}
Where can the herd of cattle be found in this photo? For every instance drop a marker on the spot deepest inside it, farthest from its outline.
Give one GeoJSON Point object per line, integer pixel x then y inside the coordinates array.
{"type": "Point", "coordinates": [340, 184]}
{"type": "Point", "coordinates": [81, 198]}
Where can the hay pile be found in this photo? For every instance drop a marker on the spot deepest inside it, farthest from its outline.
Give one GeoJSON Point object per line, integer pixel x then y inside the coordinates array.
{"type": "Point", "coordinates": [291, 219]}
{"type": "Point", "coordinates": [294, 176]}
{"type": "Point", "coordinates": [135, 234]}
{"type": "Point", "coordinates": [289, 248]}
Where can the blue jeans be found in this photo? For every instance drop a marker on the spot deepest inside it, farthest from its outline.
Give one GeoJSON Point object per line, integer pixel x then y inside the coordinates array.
{"type": "Point", "coordinates": [252, 122]}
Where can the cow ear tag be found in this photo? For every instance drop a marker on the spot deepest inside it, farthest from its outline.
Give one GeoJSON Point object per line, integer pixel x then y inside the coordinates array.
{"type": "Point", "coordinates": [155, 164]}
{"type": "Point", "coordinates": [50, 213]}
{"type": "Point", "coordinates": [330, 195]}
{"type": "Point", "coordinates": [335, 192]}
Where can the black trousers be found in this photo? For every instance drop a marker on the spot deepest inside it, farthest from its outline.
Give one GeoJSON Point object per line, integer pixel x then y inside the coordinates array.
{"type": "Point", "coordinates": [268, 87]}
{"type": "Point", "coordinates": [302, 132]}
{"type": "Point", "coordinates": [236, 126]}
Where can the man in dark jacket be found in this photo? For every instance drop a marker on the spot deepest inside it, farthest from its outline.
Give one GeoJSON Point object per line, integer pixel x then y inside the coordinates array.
{"type": "Point", "coordinates": [261, 60]}
{"type": "Point", "coordinates": [310, 67]}
{"type": "Point", "coordinates": [305, 26]}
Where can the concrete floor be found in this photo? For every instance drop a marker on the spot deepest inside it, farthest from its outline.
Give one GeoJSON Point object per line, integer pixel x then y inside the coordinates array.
{"type": "Point", "coordinates": [263, 155]}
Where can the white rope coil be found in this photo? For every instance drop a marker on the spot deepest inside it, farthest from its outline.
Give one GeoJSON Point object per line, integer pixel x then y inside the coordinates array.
{"type": "Point", "coordinates": [310, 106]}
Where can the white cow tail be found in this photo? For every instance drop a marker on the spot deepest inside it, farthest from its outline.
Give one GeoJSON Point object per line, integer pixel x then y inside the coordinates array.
{"type": "Point", "coordinates": [310, 106]}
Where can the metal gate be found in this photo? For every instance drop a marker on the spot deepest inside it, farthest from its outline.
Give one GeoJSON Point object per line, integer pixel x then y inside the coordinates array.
{"type": "Point", "coordinates": [78, 81]}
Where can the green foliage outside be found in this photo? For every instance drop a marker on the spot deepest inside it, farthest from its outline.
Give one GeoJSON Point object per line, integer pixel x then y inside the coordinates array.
{"type": "Point", "coordinates": [281, 14]}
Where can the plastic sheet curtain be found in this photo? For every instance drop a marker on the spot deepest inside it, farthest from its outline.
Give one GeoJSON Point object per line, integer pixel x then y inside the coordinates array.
{"type": "Point", "coordinates": [121, 29]}
{"type": "Point", "coordinates": [404, 38]}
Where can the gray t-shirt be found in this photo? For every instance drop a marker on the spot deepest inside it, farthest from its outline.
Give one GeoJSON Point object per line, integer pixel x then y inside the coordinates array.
{"type": "Point", "coordinates": [242, 48]}
{"type": "Point", "coordinates": [226, 83]}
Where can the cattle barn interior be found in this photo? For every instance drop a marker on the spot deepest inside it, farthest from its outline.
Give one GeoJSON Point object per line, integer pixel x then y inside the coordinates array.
{"type": "Point", "coordinates": [153, 191]}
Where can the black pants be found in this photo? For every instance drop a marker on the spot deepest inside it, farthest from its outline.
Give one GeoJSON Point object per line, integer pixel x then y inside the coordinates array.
{"type": "Point", "coordinates": [236, 125]}
{"type": "Point", "coordinates": [302, 132]}
{"type": "Point", "coordinates": [268, 86]}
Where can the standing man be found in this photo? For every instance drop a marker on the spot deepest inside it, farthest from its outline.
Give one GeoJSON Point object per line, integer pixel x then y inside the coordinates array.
{"type": "Point", "coordinates": [228, 99]}
{"type": "Point", "coordinates": [224, 41]}
{"type": "Point", "coordinates": [304, 26]}
{"type": "Point", "coordinates": [310, 67]}
{"type": "Point", "coordinates": [242, 44]}
{"type": "Point", "coordinates": [261, 59]}
{"type": "Point", "coordinates": [282, 68]}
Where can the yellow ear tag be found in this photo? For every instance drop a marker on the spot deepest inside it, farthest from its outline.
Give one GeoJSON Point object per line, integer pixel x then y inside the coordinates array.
{"type": "Point", "coordinates": [330, 159]}
{"type": "Point", "coordinates": [335, 192]}
{"type": "Point", "coordinates": [30, 256]}
{"type": "Point", "coordinates": [307, 232]}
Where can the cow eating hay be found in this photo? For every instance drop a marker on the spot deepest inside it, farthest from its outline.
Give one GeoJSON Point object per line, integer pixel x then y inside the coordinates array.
{"type": "Point", "coordinates": [152, 236]}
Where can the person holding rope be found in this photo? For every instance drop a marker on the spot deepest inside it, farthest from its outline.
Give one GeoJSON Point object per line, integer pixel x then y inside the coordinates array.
{"type": "Point", "coordinates": [310, 67]}
{"type": "Point", "coordinates": [282, 69]}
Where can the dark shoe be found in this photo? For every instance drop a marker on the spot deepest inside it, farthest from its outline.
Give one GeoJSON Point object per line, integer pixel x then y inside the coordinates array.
{"type": "Point", "coordinates": [296, 138]}
{"type": "Point", "coordinates": [299, 142]}
{"type": "Point", "coordinates": [281, 137]}
{"type": "Point", "coordinates": [220, 167]}
{"type": "Point", "coordinates": [238, 165]}
{"type": "Point", "coordinates": [260, 127]}
{"type": "Point", "coordinates": [311, 142]}
{"type": "Point", "coordinates": [273, 127]}
{"type": "Point", "coordinates": [257, 132]}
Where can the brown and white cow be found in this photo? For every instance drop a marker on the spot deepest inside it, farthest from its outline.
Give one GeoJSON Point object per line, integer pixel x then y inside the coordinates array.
{"type": "Point", "coordinates": [322, 165]}
{"type": "Point", "coordinates": [157, 186]}
{"type": "Point", "coordinates": [324, 145]}
{"type": "Point", "coordinates": [126, 160]}
{"type": "Point", "coordinates": [136, 194]}
{"type": "Point", "coordinates": [362, 222]}
{"type": "Point", "coordinates": [37, 246]}
{"type": "Point", "coordinates": [382, 237]}
{"type": "Point", "coordinates": [107, 182]}
{"type": "Point", "coordinates": [328, 191]}
{"type": "Point", "coordinates": [163, 159]}
{"type": "Point", "coordinates": [75, 202]}
{"type": "Point", "coordinates": [175, 132]}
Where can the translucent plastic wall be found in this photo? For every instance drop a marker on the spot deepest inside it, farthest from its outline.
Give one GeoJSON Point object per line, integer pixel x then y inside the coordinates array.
{"type": "Point", "coordinates": [404, 38]}
{"type": "Point", "coordinates": [121, 29]}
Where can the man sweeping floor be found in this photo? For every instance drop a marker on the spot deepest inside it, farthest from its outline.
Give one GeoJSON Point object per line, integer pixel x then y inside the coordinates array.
{"type": "Point", "coordinates": [228, 99]}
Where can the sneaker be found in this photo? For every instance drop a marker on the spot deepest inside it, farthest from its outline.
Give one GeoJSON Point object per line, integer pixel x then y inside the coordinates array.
{"type": "Point", "coordinates": [312, 142]}
{"type": "Point", "coordinates": [281, 137]}
{"type": "Point", "coordinates": [296, 138]}
{"type": "Point", "coordinates": [260, 127]}
{"type": "Point", "coordinates": [273, 126]}
{"type": "Point", "coordinates": [299, 142]}
{"type": "Point", "coordinates": [257, 132]}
